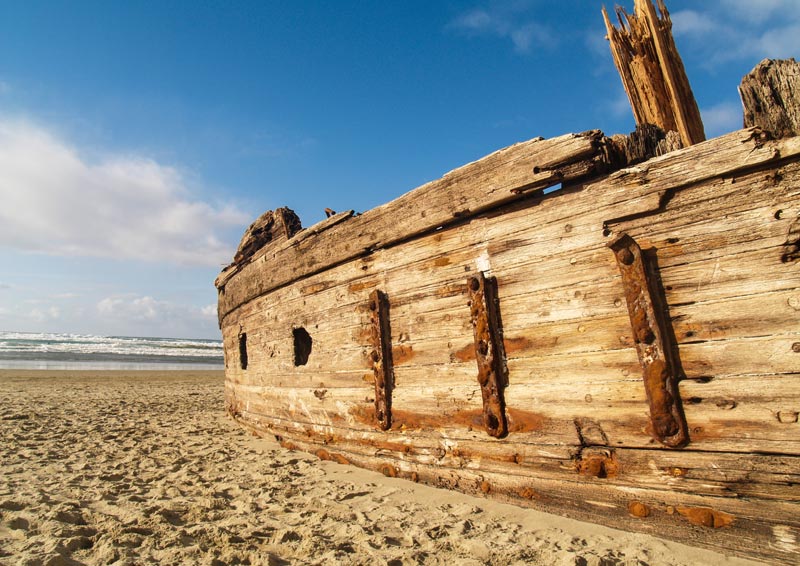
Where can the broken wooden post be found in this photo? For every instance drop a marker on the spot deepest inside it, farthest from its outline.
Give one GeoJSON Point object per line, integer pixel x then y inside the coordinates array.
{"type": "Point", "coordinates": [771, 97]}
{"type": "Point", "coordinates": [652, 71]}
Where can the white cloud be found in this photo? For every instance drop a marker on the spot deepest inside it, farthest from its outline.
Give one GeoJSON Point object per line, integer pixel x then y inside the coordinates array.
{"type": "Point", "coordinates": [690, 22]}
{"type": "Point", "coordinates": [136, 308]}
{"type": "Point", "coordinates": [45, 314]}
{"type": "Point", "coordinates": [760, 10]}
{"type": "Point", "coordinates": [741, 30]}
{"type": "Point", "coordinates": [722, 118]}
{"type": "Point", "coordinates": [122, 207]}
{"type": "Point", "coordinates": [505, 21]}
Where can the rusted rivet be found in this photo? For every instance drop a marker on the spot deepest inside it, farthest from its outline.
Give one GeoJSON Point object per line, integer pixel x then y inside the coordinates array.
{"type": "Point", "coordinates": [626, 256]}
{"type": "Point", "coordinates": [486, 487]}
{"type": "Point", "coordinates": [617, 302]}
{"type": "Point", "coordinates": [581, 328]}
{"type": "Point", "coordinates": [568, 228]}
{"type": "Point", "coordinates": [638, 509]}
{"type": "Point", "coordinates": [474, 284]}
{"type": "Point", "coordinates": [374, 356]}
{"type": "Point", "coordinates": [483, 347]}
{"type": "Point", "coordinates": [373, 306]}
{"type": "Point", "coordinates": [588, 398]}
{"type": "Point", "coordinates": [796, 347]}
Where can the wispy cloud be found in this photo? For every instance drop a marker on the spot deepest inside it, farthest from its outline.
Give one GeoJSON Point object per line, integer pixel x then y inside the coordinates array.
{"type": "Point", "coordinates": [733, 30]}
{"type": "Point", "coordinates": [57, 202]}
{"type": "Point", "coordinates": [134, 308]}
{"type": "Point", "coordinates": [508, 21]}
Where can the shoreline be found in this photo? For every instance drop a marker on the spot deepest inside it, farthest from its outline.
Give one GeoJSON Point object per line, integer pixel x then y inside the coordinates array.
{"type": "Point", "coordinates": [125, 467]}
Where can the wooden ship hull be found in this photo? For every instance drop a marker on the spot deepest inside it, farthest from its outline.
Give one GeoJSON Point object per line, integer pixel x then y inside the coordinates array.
{"type": "Point", "coordinates": [623, 350]}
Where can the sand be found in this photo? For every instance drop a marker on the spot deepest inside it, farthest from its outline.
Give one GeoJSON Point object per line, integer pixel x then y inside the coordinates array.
{"type": "Point", "coordinates": [146, 468]}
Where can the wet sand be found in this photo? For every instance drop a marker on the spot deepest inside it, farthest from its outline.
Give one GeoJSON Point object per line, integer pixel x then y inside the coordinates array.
{"type": "Point", "coordinates": [146, 468]}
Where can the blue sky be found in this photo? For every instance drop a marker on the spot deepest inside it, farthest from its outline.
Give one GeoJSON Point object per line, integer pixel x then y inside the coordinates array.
{"type": "Point", "coordinates": [139, 139]}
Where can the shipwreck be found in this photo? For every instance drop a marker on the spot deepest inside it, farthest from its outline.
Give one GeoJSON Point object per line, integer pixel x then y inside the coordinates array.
{"type": "Point", "coordinates": [600, 327]}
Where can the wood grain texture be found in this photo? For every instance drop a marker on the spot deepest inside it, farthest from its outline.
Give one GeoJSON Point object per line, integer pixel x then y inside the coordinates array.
{"type": "Point", "coordinates": [652, 71]}
{"type": "Point", "coordinates": [719, 219]}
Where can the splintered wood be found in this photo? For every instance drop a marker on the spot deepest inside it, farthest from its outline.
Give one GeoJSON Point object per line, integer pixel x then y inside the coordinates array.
{"type": "Point", "coordinates": [652, 71]}
{"type": "Point", "coordinates": [771, 97]}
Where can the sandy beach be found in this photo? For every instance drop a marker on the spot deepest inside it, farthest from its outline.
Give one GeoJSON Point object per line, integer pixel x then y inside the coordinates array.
{"type": "Point", "coordinates": [146, 468]}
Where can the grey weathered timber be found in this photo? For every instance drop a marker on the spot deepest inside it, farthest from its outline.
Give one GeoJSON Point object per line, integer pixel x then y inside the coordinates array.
{"type": "Point", "coordinates": [720, 224]}
{"type": "Point", "coordinates": [771, 97]}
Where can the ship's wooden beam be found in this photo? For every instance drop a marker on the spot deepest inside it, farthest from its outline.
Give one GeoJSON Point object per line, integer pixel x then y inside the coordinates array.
{"type": "Point", "coordinates": [491, 182]}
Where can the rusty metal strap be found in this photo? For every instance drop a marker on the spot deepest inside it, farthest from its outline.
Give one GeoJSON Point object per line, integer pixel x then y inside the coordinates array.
{"type": "Point", "coordinates": [381, 357]}
{"type": "Point", "coordinates": [653, 346]}
{"type": "Point", "coordinates": [489, 351]}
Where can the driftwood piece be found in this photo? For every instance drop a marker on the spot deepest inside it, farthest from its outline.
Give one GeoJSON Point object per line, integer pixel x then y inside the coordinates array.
{"type": "Point", "coordinates": [652, 71]}
{"type": "Point", "coordinates": [771, 97]}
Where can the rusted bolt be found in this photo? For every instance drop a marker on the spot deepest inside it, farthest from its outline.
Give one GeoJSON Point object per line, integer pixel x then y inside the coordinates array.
{"type": "Point", "coordinates": [568, 228]}
{"type": "Point", "coordinates": [588, 398]}
{"type": "Point", "coordinates": [617, 302]}
{"type": "Point", "coordinates": [638, 509]}
{"type": "Point", "coordinates": [796, 347]}
{"type": "Point", "coordinates": [483, 347]}
{"type": "Point", "coordinates": [374, 356]}
{"type": "Point", "coordinates": [486, 487]}
{"type": "Point", "coordinates": [373, 306]}
{"type": "Point", "coordinates": [474, 284]}
{"type": "Point", "coordinates": [625, 256]}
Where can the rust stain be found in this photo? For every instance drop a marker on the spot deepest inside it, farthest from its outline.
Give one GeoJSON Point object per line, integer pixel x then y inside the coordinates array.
{"type": "Point", "coordinates": [519, 421]}
{"type": "Point", "coordinates": [528, 493]}
{"type": "Point", "coordinates": [598, 463]}
{"type": "Point", "coordinates": [441, 261]}
{"type": "Point", "coordinates": [486, 487]}
{"type": "Point", "coordinates": [388, 470]}
{"type": "Point", "coordinates": [465, 354]}
{"type": "Point", "coordinates": [706, 517]}
{"type": "Point", "coordinates": [323, 454]}
{"type": "Point", "coordinates": [339, 459]}
{"type": "Point", "coordinates": [513, 345]}
{"type": "Point", "coordinates": [402, 354]}
{"type": "Point", "coordinates": [286, 445]}
{"type": "Point", "coordinates": [415, 477]}
{"type": "Point", "coordinates": [315, 288]}
{"type": "Point", "coordinates": [362, 285]}
{"type": "Point", "coordinates": [451, 290]}
{"type": "Point", "coordinates": [524, 421]}
{"type": "Point", "coordinates": [638, 509]}
{"type": "Point", "coordinates": [677, 472]}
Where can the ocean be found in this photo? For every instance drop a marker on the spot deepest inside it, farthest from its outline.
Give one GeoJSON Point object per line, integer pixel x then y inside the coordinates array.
{"type": "Point", "coordinates": [26, 350]}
